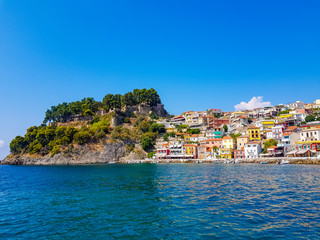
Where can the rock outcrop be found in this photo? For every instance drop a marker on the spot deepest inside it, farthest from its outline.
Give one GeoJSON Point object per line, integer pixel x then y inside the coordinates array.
{"type": "Point", "coordinates": [111, 152]}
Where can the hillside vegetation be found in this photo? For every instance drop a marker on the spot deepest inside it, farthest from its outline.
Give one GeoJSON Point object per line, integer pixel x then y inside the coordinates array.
{"type": "Point", "coordinates": [60, 133]}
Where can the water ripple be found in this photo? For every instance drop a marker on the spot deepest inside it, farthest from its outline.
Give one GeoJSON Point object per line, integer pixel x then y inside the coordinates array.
{"type": "Point", "coordinates": [146, 201]}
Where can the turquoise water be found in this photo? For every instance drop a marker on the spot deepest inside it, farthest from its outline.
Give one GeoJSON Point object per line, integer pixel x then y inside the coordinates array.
{"type": "Point", "coordinates": [148, 201]}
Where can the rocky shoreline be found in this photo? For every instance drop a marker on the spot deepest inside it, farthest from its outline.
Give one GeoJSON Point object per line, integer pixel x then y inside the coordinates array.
{"type": "Point", "coordinates": [116, 154]}
{"type": "Point", "coordinates": [84, 155]}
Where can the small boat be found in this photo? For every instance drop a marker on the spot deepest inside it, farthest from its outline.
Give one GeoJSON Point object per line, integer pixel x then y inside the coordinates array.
{"type": "Point", "coordinates": [284, 162]}
{"type": "Point", "coordinates": [263, 163]}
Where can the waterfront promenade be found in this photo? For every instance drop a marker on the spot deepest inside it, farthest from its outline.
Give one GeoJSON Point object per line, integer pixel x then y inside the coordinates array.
{"type": "Point", "coordinates": [274, 160]}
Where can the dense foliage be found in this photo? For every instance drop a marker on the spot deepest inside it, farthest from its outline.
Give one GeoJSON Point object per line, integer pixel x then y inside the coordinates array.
{"type": "Point", "coordinates": [62, 112]}
{"type": "Point", "coordinates": [88, 106]}
{"type": "Point", "coordinates": [53, 139]}
{"type": "Point", "coordinates": [45, 139]}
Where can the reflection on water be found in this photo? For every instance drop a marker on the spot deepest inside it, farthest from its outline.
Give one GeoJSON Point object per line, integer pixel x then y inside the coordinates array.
{"type": "Point", "coordinates": [194, 201]}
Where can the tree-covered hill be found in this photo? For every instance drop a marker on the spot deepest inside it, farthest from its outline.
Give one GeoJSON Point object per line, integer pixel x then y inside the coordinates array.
{"type": "Point", "coordinates": [57, 134]}
{"type": "Point", "coordinates": [89, 107]}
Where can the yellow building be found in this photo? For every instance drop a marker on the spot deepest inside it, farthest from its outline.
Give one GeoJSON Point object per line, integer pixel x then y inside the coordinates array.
{"type": "Point", "coordinates": [190, 149]}
{"type": "Point", "coordinates": [228, 142]}
{"type": "Point", "coordinates": [267, 125]}
{"type": "Point", "coordinates": [187, 138]}
{"type": "Point", "coordinates": [254, 133]}
{"type": "Point", "coordinates": [188, 116]}
{"type": "Point", "coordinates": [226, 153]}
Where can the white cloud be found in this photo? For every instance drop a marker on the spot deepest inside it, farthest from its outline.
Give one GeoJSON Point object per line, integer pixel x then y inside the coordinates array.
{"type": "Point", "coordinates": [255, 102]}
{"type": "Point", "coordinates": [1, 143]}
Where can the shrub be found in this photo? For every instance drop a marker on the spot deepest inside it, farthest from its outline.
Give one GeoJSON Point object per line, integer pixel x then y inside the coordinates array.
{"type": "Point", "coordinates": [129, 147]}
{"type": "Point", "coordinates": [127, 120]}
{"type": "Point", "coordinates": [82, 137]}
{"type": "Point", "coordinates": [151, 154]}
{"type": "Point", "coordinates": [36, 148]}
{"type": "Point", "coordinates": [100, 135]}
{"type": "Point", "coordinates": [166, 137]}
{"type": "Point", "coordinates": [147, 143]}
{"type": "Point", "coordinates": [99, 126]}
{"type": "Point", "coordinates": [55, 150]}
{"type": "Point", "coordinates": [155, 127]}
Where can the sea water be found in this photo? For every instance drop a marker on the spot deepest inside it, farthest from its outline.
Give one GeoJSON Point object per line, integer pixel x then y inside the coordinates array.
{"type": "Point", "coordinates": [164, 201]}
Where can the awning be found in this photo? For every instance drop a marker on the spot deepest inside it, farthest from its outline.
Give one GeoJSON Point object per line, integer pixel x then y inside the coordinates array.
{"type": "Point", "coordinates": [302, 151]}
{"type": "Point", "coordinates": [292, 152]}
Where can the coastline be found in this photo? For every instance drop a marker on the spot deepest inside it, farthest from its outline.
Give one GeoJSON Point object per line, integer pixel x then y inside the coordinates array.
{"type": "Point", "coordinates": [280, 160]}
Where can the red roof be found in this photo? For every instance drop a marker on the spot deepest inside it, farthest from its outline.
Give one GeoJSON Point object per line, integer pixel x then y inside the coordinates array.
{"type": "Point", "coordinates": [215, 139]}
{"type": "Point", "coordinates": [243, 136]}
{"type": "Point", "coordinates": [253, 127]}
{"type": "Point", "coordinates": [287, 133]}
{"type": "Point", "coordinates": [227, 137]}
{"type": "Point", "coordinates": [272, 147]}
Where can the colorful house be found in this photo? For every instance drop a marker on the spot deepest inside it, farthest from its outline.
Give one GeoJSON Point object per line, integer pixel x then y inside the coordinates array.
{"type": "Point", "coordinates": [228, 142]}
{"type": "Point", "coordinates": [252, 150]}
{"type": "Point", "coordinates": [226, 153]}
{"type": "Point", "coordinates": [190, 149]}
{"type": "Point", "coordinates": [187, 138]}
{"type": "Point", "coordinates": [242, 141]}
{"type": "Point", "coordinates": [239, 153]}
{"type": "Point", "coordinates": [254, 133]}
{"type": "Point", "coordinates": [202, 152]}
{"type": "Point", "coordinates": [214, 142]}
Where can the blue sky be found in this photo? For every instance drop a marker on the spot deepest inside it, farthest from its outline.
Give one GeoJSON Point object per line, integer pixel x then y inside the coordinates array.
{"type": "Point", "coordinates": [196, 54]}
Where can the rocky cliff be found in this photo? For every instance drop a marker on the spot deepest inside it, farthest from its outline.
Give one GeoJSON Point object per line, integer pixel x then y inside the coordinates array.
{"type": "Point", "coordinates": [111, 152]}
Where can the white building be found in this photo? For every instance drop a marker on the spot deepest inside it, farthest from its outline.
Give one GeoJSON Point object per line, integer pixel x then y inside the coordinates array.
{"type": "Point", "coordinates": [252, 150]}
{"type": "Point", "coordinates": [299, 115]}
{"type": "Point", "coordinates": [269, 134]}
{"type": "Point", "coordinates": [312, 134]}
{"type": "Point", "coordinates": [214, 132]}
{"type": "Point", "coordinates": [288, 140]}
{"type": "Point", "coordinates": [213, 111]}
{"type": "Point", "coordinates": [296, 105]}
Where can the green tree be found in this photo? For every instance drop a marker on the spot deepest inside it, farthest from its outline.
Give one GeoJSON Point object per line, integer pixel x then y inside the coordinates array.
{"type": "Point", "coordinates": [225, 127]}
{"type": "Point", "coordinates": [18, 144]}
{"type": "Point", "coordinates": [55, 150]}
{"type": "Point", "coordinates": [193, 131]}
{"type": "Point", "coordinates": [144, 126]}
{"type": "Point", "coordinates": [147, 143]}
{"type": "Point", "coordinates": [36, 148]}
{"type": "Point", "coordinates": [82, 137]}
{"type": "Point", "coordinates": [166, 137]}
{"type": "Point", "coordinates": [99, 126]}
{"type": "Point", "coordinates": [156, 127]}
{"type": "Point", "coordinates": [310, 118]}
{"type": "Point", "coordinates": [268, 144]}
